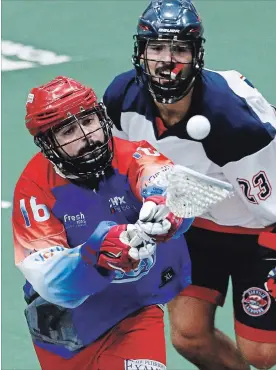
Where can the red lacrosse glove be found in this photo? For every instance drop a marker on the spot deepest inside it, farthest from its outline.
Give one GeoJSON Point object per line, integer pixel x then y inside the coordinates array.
{"type": "Point", "coordinates": [120, 245]}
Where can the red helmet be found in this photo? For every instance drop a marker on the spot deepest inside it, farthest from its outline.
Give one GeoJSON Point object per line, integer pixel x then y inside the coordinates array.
{"type": "Point", "coordinates": [64, 100]}
{"type": "Point", "coordinates": [49, 104]}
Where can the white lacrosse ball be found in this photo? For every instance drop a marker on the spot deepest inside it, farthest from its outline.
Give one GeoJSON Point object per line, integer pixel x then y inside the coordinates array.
{"type": "Point", "coordinates": [198, 127]}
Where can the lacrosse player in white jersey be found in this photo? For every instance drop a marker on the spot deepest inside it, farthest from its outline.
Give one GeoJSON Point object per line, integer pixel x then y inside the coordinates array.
{"type": "Point", "coordinates": [218, 124]}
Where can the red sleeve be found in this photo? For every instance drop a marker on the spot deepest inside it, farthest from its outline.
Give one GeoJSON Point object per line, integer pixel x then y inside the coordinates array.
{"type": "Point", "coordinates": [146, 163]}
{"type": "Point", "coordinates": [34, 225]}
{"type": "Point", "coordinates": [140, 161]}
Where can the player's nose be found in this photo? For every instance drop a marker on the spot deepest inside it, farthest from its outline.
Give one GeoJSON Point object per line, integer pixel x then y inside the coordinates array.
{"type": "Point", "coordinates": [167, 55]}
{"type": "Point", "coordinates": [91, 136]}
{"type": "Point", "coordinates": [88, 134]}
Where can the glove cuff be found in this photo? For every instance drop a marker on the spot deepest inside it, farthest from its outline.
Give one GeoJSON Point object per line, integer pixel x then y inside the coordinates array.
{"type": "Point", "coordinates": [89, 250]}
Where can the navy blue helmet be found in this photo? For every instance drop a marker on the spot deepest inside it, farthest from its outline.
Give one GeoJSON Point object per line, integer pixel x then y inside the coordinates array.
{"type": "Point", "coordinates": [169, 27]}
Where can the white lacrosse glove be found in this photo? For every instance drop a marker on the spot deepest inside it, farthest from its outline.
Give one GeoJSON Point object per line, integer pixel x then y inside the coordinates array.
{"type": "Point", "coordinates": [140, 246]}
{"type": "Point", "coordinates": [156, 220]}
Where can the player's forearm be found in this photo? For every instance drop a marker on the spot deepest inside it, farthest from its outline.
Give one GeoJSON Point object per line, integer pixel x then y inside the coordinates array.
{"type": "Point", "coordinates": [145, 183]}
{"type": "Point", "coordinates": [61, 276]}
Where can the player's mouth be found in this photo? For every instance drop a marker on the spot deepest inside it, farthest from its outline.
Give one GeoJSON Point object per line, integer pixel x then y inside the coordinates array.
{"type": "Point", "coordinates": [165, 76]}
{"type": "Point", "coordinates": [168, 75]}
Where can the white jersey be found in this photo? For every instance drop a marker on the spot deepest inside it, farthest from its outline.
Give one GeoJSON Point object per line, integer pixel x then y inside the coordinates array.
{"type": "Point", "coordinates": [240, 149]}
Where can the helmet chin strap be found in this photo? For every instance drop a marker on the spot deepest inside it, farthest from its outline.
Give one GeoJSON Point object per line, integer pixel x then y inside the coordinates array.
{"type": "Point", "coordinates": [61, 174]}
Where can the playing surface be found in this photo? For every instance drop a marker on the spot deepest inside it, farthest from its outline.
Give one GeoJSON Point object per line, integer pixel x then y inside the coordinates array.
{"type": "Point", "coordinates": [92, 42]}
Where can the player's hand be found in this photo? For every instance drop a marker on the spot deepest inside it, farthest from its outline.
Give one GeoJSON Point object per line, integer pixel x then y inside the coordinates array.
{"type": "Point", "coordinates": [156, 220]}
{"type": "Point", "coordinates": [123, 248]}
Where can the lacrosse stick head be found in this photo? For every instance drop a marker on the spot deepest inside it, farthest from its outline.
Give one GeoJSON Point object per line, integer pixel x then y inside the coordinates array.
{"type": "Point", "coordinates": [189, 193]}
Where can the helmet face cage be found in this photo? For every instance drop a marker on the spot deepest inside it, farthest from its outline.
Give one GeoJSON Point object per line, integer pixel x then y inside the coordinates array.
{"type": "Point", "coordinates": [172, 22]}
{"type": "Point", "coordinates": [177, 85]}
{"type": "Point", "coordinates": [92, 163]}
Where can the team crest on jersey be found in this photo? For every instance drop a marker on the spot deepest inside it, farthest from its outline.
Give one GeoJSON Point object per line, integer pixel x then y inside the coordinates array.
{"type": "Point", "coordinates": [255, 301]}
{"type": "Point", "coordinates": [270, 284]}
{"type": "Point", "coordinates": [143, 269]}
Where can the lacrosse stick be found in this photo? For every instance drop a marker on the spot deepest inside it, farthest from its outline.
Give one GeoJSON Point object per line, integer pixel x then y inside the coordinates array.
{"type": "Point", "coordinates": [189, 193]}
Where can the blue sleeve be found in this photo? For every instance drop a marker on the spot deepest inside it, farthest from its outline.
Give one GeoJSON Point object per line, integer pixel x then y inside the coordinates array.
{"type": "Point", "coordinates": [186, 224]}
{"type": "Point", "coordinates": [69, 276]}
{"type": "Point", "coordinates": [112, 99]}
{"type": "Point", "coordinates": [115, 95]}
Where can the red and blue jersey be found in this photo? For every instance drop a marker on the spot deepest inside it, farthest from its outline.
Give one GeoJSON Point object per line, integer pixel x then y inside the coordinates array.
{"type": "Point", "coordinates": [53, 218]}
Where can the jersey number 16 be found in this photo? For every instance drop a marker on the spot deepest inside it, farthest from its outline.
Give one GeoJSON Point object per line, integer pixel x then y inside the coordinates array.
{"type": "Point", "coordinates": [40, 211]}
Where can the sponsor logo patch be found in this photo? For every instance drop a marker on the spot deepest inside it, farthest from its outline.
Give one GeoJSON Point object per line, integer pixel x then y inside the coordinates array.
{"type": "Point", "coordinates": [77, 220]}
{"type": "Point", "coordinates": [143, 364]}
{"type": "Point", "coordinates": [44, 255]}
{"type": "Point", "coordinates": [118, 204]}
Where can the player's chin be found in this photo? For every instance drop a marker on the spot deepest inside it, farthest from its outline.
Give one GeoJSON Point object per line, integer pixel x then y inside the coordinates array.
{"type": "Point", "coordinates": [95, 156]}
{"type": "Point", "coordinates": [165, 82]}
{"type": "Point", "coordinates": [161, 80]}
